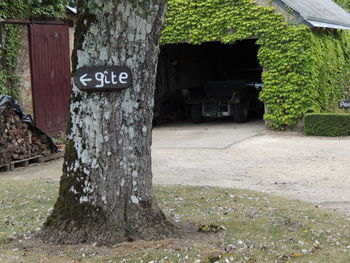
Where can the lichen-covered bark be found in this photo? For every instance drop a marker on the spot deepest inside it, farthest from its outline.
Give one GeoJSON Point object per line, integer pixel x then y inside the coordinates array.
{"type": "Point", "coordinates": [106, 191]}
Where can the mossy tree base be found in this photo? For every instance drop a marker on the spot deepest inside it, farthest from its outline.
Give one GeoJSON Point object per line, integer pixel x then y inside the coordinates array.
{"type": "Point", "coordinates": [145, 223]}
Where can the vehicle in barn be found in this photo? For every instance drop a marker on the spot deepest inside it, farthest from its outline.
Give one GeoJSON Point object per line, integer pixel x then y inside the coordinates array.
{"type": "Point", "coordinates": [224, 99]}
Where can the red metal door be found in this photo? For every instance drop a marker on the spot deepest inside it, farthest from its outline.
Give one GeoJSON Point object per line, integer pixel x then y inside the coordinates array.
{"type": "Point", "coordinates": [50, 76]}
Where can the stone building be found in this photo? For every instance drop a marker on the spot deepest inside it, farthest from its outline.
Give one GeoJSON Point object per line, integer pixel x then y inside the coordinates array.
{"type": "Point", "coordinates": [44, 69]}
{"type": "Point", "coordinates": [296, 48]}
{"type": "Point", "coordinates": [203, 42]}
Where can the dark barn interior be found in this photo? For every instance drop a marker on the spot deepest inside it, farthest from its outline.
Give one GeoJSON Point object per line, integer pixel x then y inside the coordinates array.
{"type": "Point", "coordinates": [185, 68]}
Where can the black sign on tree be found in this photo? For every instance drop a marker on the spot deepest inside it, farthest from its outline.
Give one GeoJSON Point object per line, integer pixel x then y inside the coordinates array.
{"type": "Point", "coordinates": [103, 78]}
{"type": "Point", "coordinates": [344, 104]}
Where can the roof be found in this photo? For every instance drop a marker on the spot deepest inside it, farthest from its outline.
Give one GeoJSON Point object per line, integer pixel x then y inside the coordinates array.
{"type": "Point", "coordinates": [320, 13]}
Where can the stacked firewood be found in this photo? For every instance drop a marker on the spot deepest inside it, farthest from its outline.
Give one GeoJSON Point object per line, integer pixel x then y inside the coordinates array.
{"type": "Point", "coordinates": [17, 142]}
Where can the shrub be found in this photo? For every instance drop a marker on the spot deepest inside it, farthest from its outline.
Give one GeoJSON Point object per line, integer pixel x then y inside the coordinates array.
{"type": "Point", "coordinates": [327, 124]}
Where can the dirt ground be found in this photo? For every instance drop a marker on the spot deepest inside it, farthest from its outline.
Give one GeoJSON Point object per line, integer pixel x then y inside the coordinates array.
{"type": "Point", "coordinates": [244, 156]}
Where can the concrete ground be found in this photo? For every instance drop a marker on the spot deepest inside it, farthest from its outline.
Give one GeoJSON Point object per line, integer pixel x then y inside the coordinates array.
{"type": "Point", "coordinates": [245, 156]}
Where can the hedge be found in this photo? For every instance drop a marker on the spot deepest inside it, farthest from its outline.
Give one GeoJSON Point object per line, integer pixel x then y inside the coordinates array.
{"type": "Point", "coordinates": [327, 124]}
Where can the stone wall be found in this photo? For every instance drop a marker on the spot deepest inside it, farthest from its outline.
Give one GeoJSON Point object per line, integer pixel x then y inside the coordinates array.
{"type": "Point", "coordinates": [71, 37]}
{"type": "Point", "coordinates": [23, 71]}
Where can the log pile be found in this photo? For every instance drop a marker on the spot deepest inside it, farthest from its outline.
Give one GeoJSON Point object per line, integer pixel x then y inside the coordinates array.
{"type": "Point", "coordinates": [17, 142]}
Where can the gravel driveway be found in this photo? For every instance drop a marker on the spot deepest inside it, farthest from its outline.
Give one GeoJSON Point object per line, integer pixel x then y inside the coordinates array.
{"type": "Point", "coordinates": [313, 169]}
{"type": "Point", "coordinates": [245, 156]}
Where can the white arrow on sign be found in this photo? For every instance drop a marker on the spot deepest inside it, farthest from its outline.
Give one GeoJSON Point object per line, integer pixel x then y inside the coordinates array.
{"type": "Point", "coordinates": [83, 79]}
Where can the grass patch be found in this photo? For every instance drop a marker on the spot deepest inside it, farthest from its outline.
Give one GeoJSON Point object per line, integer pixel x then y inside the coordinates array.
{"type": "Point", "coordinates": [327, 124]}
{"type": "Point", "coordinates": [247, 227]}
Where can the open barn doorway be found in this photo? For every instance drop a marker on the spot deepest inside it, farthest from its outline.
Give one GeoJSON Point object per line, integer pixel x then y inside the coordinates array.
{"type": "Point", "coordinates": [209, 81]}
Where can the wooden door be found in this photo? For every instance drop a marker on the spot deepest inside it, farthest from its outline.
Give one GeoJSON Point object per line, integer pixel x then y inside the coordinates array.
{"type": "Point", "coordinates": [50, 76]}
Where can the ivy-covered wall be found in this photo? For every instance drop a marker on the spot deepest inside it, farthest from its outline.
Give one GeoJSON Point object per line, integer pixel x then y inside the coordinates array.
{"type": "Point", "coordinates": [10, 37]}
{"type": "Point", "coordinates": [344, 3]}
{"type": "Point", "coordinates": [9, 47]}
{"type": "Point", "coordinates": [305, 70]}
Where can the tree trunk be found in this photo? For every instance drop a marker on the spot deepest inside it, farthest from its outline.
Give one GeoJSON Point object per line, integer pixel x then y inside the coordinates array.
{"type": "Point", "coordinates": [106, 191]}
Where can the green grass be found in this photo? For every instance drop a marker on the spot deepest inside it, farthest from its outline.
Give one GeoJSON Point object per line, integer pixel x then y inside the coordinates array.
{"type": "Point", "coordinates": [256, 228]}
